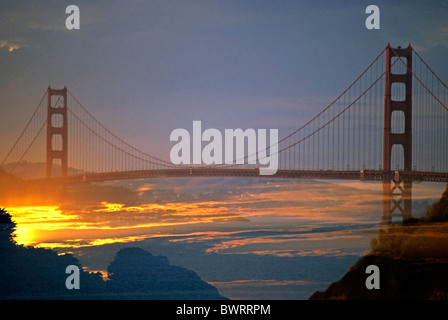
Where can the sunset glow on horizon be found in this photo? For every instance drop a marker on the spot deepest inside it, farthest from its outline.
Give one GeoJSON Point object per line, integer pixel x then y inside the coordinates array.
{"type": "Point", "coordinates": [281, 206]}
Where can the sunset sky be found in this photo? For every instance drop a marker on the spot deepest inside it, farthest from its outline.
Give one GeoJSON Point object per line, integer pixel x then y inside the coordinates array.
{"type": "Point", "coordinates": [251, 238]}
{"type": "Point", "coordinates": [138, 65]}
{"type": "Point", "coordinates": [145, 68]}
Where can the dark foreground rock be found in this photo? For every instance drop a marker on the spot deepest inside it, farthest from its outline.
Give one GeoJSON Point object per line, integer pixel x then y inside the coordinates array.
{"type": "Point", "coordinates": [400, 279]}
{"type": "Point", "coordinates": [412, 258]}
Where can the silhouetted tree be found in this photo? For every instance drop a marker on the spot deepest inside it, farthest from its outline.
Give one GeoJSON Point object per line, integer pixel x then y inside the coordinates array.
{"type": "Point", "coordinates": [7, 228]}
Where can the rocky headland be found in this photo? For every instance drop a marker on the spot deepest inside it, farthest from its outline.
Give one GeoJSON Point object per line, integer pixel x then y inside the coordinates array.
{"type": "Point", "coordinates": [412, 259]}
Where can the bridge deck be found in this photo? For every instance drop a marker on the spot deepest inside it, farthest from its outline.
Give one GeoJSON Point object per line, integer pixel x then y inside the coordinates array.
{"type": "Point", "coordinates": [367, 175]}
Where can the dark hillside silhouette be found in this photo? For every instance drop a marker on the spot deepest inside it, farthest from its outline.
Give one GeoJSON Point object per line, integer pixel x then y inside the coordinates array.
{"type": "Point", "coordinates": [412, 259]}
{"type": "Point", "coordinates": [439, 210]}
{"type": "Point", "coordinates": [37, 273]}
{"type": "Point", "coordinates": [141, 275]}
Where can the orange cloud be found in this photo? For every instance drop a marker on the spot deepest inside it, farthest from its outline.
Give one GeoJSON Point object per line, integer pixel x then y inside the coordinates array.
{"type": "Point", "coordinates": [11, 47]}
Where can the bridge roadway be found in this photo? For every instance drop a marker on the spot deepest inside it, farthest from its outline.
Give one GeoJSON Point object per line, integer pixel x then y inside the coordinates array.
{"type": "Point", "coordinates": [365, 175]}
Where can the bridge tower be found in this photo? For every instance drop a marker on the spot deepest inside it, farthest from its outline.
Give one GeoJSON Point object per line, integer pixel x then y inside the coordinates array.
{"type": "Point", "coordinates": [57, 132]}
{"type": "Point", "coordinates": [397, 193]}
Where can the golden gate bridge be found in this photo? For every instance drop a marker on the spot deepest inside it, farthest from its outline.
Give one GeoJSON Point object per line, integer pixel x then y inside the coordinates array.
{"type": "Point", "coordinates": [389, 125]}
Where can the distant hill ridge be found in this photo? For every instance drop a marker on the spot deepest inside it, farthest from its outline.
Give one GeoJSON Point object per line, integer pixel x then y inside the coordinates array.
{"type": "Point", "coordinates": [137, 272]}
